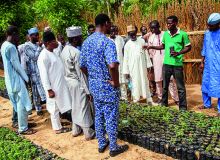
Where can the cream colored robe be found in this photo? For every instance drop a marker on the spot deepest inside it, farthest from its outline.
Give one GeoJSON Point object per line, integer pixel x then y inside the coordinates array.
{"type": "Point", "coordinates": [77, 83]}
{"type": "Point", "coordinates": [136, 62]}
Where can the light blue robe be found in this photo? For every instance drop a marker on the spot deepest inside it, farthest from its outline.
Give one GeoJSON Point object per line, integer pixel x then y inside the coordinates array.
{"type": "Point", "coordinates": [32, 52]}
{"type": "Point", "coordinates": [15, 76]}
{"type": "Point", "coordinates": [211, 74]}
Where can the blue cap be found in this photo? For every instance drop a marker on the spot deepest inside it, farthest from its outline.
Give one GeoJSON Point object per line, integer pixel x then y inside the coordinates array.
{"type": "Point", "coordinates": [33, 30]}
{"type": "Point", "coordinates": [214, 18]}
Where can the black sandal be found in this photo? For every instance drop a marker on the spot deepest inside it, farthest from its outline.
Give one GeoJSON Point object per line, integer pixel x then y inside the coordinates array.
{"type": "Point", "coordinates": [63, 130]}
{"type": "Point", "coordinates": [28, 132]}
{"type": "Point", "coordinates": [119, 150]}
{"type": "Point", "coordinates": [65, 123]}
{"type": "Point", "coordinates": [32, 125]}
{"type": "Point", "coordinates": [15, 125]}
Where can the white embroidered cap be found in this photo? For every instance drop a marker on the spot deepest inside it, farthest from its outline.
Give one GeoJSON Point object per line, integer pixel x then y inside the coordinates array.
{"type": "Point", "coordinates": [74, 31]}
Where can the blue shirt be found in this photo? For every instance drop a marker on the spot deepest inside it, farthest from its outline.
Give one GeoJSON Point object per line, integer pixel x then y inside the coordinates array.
{"type": "Point", "coordinates": [97, 52]}
{"type": "Point", "coordinates": [211, 73]}
{"type": "Point", "coordinates": [15, 76]}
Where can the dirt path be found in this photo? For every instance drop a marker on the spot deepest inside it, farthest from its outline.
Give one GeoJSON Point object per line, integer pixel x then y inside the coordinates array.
{"type": "Point", "coordinates": [77, 148]}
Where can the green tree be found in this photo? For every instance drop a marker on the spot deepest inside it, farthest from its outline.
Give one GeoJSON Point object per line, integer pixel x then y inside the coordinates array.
{"type": "Point", "coordinates": [60, 14]}
{"type": "Point", "coordinates": [16, 12]}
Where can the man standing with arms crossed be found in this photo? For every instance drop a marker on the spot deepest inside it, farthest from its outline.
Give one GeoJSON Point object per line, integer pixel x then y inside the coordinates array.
{"type": "Point", "coordinates": [98, 60]}
{"type": "Point", "coordinates": [176, 44]}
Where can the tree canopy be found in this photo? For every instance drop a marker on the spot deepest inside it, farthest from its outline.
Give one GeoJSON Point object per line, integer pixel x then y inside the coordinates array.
{"type": "Point", "coordinates": [59, 14]}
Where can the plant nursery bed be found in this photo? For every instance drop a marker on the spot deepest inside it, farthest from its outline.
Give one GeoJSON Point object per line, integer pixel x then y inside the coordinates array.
{"type": "Point", "coordinates": [14, 146]}
{"type": "Point", "coordinates": [180, 134]}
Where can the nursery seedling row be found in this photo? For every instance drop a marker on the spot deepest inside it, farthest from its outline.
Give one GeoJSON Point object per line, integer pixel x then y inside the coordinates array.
{"type": "Point", "coordinates": [180, 134]}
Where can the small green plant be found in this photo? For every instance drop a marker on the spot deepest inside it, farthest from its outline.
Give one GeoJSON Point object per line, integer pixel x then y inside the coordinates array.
{"type": "Point", "coordinates": [15, 147]}
{"type": "Point", "coordinates": [170, 125]}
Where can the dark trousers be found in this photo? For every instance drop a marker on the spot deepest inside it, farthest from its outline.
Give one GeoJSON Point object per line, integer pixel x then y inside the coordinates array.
{"type": "Point", "coordinates": [14, 116]}
{"type": "Point", "coordinates": [177, 72]}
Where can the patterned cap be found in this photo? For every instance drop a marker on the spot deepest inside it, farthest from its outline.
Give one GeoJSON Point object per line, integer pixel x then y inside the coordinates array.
{"type": "Point", "coordinates": [131, 28]}
{"type": "Point", "coordinates": [32, 30]}
{"type": "Point", "coordinates": [214, 18]}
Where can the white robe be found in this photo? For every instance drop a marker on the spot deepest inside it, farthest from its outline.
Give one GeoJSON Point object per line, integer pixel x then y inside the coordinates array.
{"type": "Point", "coordinates": [52, 76]}
{"type": "Point", "coordinates": [119, 42]}
{"type": "Point", "coordinates": [136, 62]}
{"type": "Point", "coordinates": [77, 83]}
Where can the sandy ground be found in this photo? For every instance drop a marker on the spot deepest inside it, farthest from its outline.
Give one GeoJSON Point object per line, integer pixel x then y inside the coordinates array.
{"type": "Point", "coordinates": [77, 148]}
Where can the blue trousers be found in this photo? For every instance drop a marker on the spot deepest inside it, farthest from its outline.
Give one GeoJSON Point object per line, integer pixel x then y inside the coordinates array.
{"type": "Point", "coordinates": [36, 98]}
{"type": "Point", "coordinates": [207, 101]}
{"type": "Point", "coordinates": [22, 114]}
{"type": "Point", "coordinates": [106, 120]}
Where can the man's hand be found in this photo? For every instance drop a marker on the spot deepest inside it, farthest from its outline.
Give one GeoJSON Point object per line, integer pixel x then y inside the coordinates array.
{"type": "Point", "coordinates": [113, 83]}
{"type": "Point", "coordinates": [90, 97]}
{"type": "Point", "coordinates": [127, 76]}
{"type": "Point", "coordinates": [147, 47]}
{"type": "Point", "coordinates": [150, 74]}
{"type": "Point", "coordinates": [174, 54]}
{"type": "Point", "coordinates": [201, 67]}
{"type": "Point", "coordinates": [40, 44]}
{"type": "Point", "coordinates": [51, 93]}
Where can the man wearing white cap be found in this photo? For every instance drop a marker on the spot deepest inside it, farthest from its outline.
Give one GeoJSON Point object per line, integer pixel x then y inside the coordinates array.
{"type": "Point", "coordinates": [211, 62]}
{"type": "Point", "coordinates": [32, 51]}
{"type": "Point", "coordinates": [136, 63]}
{"type": "Point", "coordinates": [77, 83]}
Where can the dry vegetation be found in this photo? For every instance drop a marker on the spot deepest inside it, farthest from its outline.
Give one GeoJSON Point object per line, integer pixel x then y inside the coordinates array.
{"type": "Point", "coordinates": [192, 16]}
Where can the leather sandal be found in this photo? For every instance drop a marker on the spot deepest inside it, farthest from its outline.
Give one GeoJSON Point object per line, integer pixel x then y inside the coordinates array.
{"type": "Point", "coordinates": [63, 130]}
{"type": "Point", "coordinates": [28, 132]}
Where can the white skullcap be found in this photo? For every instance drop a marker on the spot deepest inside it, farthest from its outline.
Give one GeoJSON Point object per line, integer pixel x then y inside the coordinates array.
{"type": "Point", "coordinates": [214, 18]}
{"type": "Point", "coordinates": [47, 29]}
{"type": "Point", "coordinates": [74, 31]}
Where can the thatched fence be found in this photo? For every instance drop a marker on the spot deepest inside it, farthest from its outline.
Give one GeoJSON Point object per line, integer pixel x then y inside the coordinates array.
{"type": "Point", "coordinates": [192, 59]}
{"type": "Point", "coordinates": [192, 14]}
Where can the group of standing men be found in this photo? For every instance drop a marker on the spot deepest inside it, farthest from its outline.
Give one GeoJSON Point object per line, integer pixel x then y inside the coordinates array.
{"type": "Point", "coordinates": [142, 55]}
{"type": "Point", "coordinates": [98, 72]}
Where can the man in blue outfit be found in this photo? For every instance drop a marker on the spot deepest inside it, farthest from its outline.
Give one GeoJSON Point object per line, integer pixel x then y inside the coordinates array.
{"type": "Point", "coordinates": [211, 62]}
{"type": "Point", "coordinates": [15, 78]}
{"type": "Point", "coordinates": [98, 60]}
{"type": "Point", "coordinates": [32, 51]}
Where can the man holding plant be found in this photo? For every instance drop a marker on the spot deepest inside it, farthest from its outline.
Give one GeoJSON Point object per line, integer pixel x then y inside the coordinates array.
{"type": "Point", "coordinates": [211, 62]}
{"type": "Point", "coordinates": [176, 43]}
{"type": "Point", "coordinates": [157, 58]}
{"type": "Point", "coordinates": [136, 66]}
